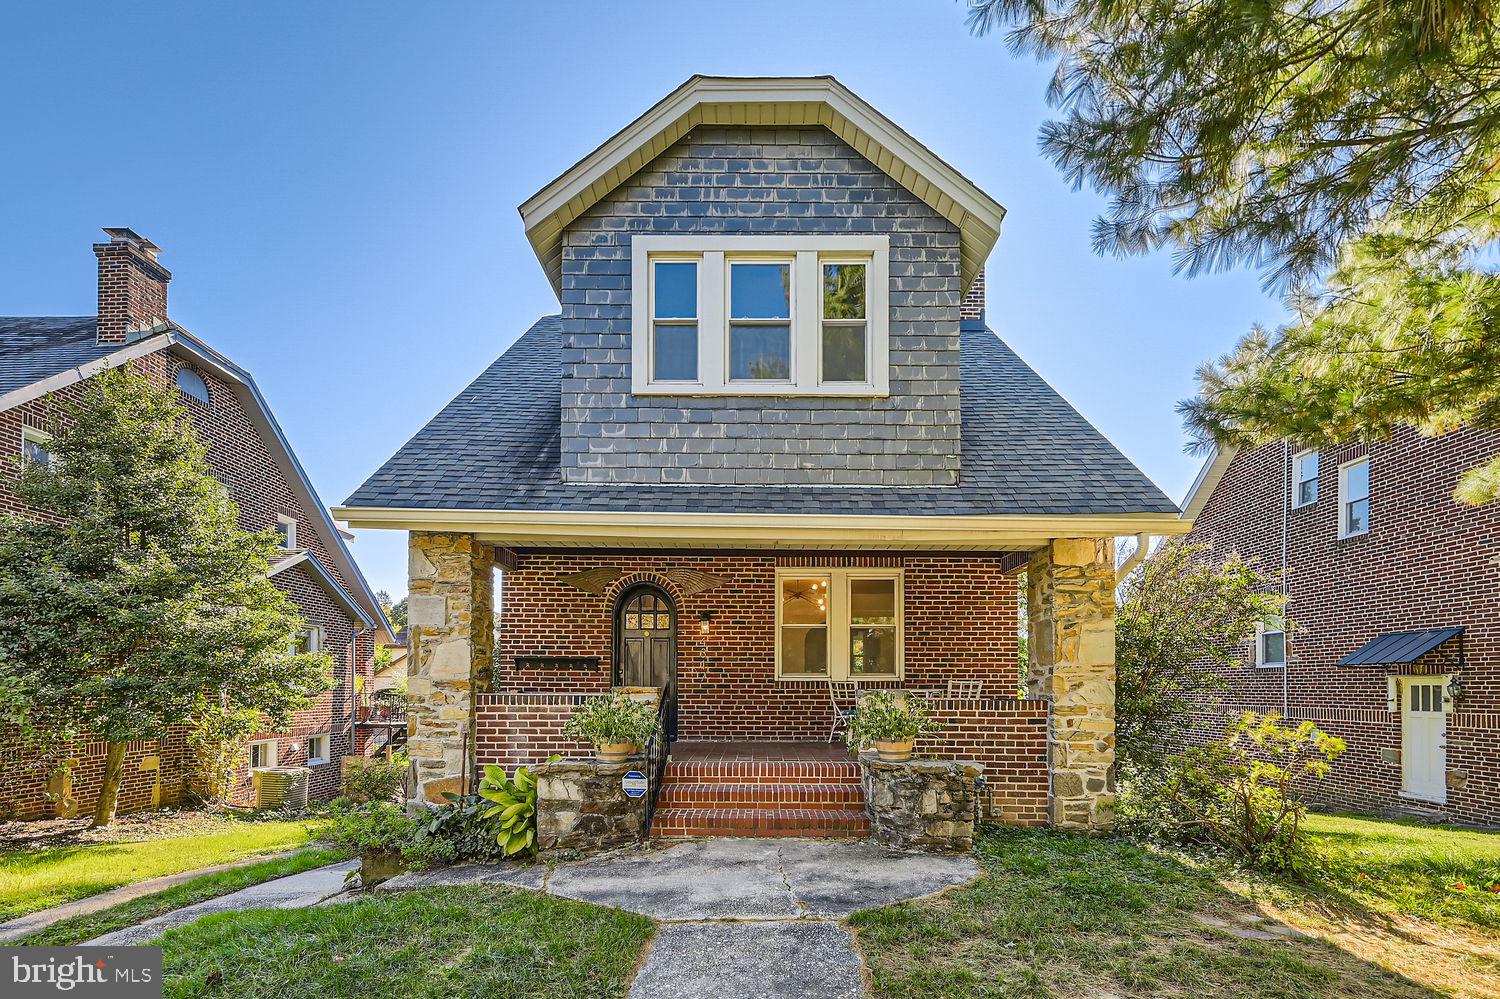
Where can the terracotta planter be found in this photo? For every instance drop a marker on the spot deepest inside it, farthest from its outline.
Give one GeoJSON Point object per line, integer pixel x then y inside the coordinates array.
{"type": "Point", "coordinates": [614, 752]}
{"type": "Point", "coordinates": [376, 866]}
{"type": "Point", "coordinates": [894, 752]}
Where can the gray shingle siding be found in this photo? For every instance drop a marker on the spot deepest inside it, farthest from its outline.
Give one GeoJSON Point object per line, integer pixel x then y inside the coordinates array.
{"type": "Point", "coordinates": [1026, 451]}
{"type": "Point", "coordinates": [761, 181]}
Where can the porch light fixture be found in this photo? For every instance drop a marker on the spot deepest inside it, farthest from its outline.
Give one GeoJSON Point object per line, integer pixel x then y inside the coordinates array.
{"type": "Point", "coordinates": [703, 618]}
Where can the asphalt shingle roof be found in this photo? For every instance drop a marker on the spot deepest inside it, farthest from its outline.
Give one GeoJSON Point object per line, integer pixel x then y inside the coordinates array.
{"type": "Point", "coordinates": [1024, 451]}
{"type": "Point", "coordinates": [36, 347]}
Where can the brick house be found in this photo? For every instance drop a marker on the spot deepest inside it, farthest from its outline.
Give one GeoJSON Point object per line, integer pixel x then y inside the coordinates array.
{"type": "Point", "coordinates": [1391, 638]}
{"type": "Point", "coordinates": [767, 447]}
{"type": "Point", "coordinates": [44, 363]}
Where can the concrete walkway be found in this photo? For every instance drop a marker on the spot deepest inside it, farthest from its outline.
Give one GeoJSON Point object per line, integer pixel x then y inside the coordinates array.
{"type": "Point", "coordinates": [35, 922]}
{"type": "Point", "coordinates": [747, 918]}
{"type": "Point", "coordinates": [296, 891]}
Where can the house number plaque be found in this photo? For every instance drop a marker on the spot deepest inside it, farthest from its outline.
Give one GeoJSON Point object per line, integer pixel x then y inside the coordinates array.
{"type": "Point", "coordinates": [590, 663]}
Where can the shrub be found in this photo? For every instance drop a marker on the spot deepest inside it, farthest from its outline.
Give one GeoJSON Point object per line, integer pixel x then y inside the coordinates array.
{"type": "Point", "coordinates": [613, 718]}
{"type": "Point", "coordinates": [888, 716]}
{"type": "Point", "coordinates": [367, 779]}
{"type": "Point", "coordinates": [381, 827]}
{"type": "Point", "coordinates": [1241, 793]}
{"type": "Point", "coordinates": [463, 825]}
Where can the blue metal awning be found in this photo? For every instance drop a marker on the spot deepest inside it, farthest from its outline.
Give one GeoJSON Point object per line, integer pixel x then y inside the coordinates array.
{"type": "Point", "coordinates": [1399, 647]}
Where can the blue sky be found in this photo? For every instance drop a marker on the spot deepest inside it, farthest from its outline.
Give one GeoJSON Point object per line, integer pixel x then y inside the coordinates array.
{"type": "Point", "coordinates": [334, 187]}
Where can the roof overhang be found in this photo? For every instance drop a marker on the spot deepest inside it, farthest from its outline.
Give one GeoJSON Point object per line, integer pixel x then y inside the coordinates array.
{"type": "Point", "coordinates": [777, 102]}
{"type": "Point", "coordinates": [328, 581]}
{"type": "Point", "coordinates": [573, 529]}
{"type": "Point", "coordinates": [1207, 481]}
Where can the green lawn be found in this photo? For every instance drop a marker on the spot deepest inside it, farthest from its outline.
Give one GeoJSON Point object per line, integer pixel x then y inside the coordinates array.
{"type": "Point", "coordinates": [199, 889]}
{"type": "Point", "coordinates": [500, 943]}
{"type": "Point", "coordinates": [1405, 868]}
{"type": "Point", "coordinates": [1057, 915]}
{"type": "Point", "coordinates": [32, 879]}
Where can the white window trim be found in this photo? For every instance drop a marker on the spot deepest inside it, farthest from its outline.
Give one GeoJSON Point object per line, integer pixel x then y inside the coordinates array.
{"type": "Point", "coordinates": [321, 758]}
{"type": "Point", "coordinates": [838, 622]}
{"type": "Point", "coordinates": [35, 436]}
{"type": "Point", "coordinates": [1395, 690]}
{"type": "Point", "coordinates": [314, 636]}
{"type": "Point", "coordinates": [807, 253]}
{"type": "Point", "coordinates": [291, 531]}
{"type": "Point", "coordinates": [1297, 504]}
{"type": "Point", "coordinates": [271, 754]}
{"type": "Point", "coordinates": [1260, 632]}
{"type": "Point", "coordinates": [1344, 501]}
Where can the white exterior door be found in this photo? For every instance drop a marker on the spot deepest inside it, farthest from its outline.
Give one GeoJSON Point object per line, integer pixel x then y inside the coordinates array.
{"type": "Point", "coordinates": [1424, 730]}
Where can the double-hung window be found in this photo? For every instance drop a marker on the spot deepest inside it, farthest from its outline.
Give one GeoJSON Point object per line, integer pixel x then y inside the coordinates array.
{"type": "Point", "coordinates": [35, 447]}
{"type": "Point", "coordinates": [838, 624]}
{"type": "Point", "coordinates": [674, 321]}
{"type": "Point", "coordinates": [1305, 479]}
{"type": "Point", "coordinates": [1270, 643]}
{"type": "Point", "coordinates": [760, 315]}
{"type": "Point", "coordinates": [1354, 498]}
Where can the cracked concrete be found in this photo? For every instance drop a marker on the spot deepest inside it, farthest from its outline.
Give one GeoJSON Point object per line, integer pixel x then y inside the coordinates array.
{"type": "Point", "coordinates": [743, 879]}
{"type": "Point", "coordinates": [745, 918]}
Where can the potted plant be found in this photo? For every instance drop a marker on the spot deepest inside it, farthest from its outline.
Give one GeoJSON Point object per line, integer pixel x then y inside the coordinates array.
{"type": "Point", "coordinates": [890, 720]}
{"type": "Point", "coordinates": [617, 725]}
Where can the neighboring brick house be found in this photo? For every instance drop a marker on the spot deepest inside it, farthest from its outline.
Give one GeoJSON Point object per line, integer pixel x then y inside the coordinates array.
{"type": "Point", "coordinates": [45, 363]}
{"type": "Point", "coordinates": [1392, 634]}
{"type": "Point", "coordinates": [768, 445]}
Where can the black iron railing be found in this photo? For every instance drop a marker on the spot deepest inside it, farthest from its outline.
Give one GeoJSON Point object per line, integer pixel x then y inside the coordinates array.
{"type": "Point", "coordinates": [381, 707]}
{"type": "Point", "coordinates": [656, 762]}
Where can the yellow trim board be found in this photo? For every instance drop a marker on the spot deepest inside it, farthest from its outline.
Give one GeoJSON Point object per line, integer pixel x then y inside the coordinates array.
{"type": "Point", "coordinates": [529, 528]}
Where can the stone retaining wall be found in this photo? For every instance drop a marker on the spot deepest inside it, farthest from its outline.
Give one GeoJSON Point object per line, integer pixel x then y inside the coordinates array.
{"type": "Point", "coordinates": [921, 804]}
{"type": "Point", "coordinates": [580, 805]}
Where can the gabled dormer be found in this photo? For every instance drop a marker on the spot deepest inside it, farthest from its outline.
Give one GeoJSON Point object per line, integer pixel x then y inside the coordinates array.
{"type": "Point", "coordinates": [761, 284]}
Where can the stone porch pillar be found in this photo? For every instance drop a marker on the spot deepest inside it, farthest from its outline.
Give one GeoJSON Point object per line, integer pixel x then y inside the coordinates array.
{"type": "Point", "coordinates": [1071, 606]}
{"type": "Point", "coordinates": [451, 614]}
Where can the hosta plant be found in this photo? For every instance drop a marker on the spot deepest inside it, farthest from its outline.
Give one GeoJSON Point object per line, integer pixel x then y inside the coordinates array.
{"type": "Point", "coordinates": [512, 807]}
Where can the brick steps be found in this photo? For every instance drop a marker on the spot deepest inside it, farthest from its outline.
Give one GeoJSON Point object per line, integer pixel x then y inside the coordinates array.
{"type": "Point", "coordinates": [760, 797]}
{"type": "Point", "coordinates": [724, 794]}
{"type": "Point", "coordinates": [683, 823]}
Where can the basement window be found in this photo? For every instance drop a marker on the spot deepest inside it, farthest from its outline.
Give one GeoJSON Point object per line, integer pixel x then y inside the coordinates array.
{"type": "Point", "coordinates": [262, 754]}
{"type": "Point", "coordinates": [317, 749]}
{"type": "Point", "coordinates": [760, 315]}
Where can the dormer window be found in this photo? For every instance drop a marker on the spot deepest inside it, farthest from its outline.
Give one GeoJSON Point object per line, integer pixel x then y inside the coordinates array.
{"type": "Point", "coordinates": [760, 315]}
{"type": "Point", "coordinates": [286, 531]}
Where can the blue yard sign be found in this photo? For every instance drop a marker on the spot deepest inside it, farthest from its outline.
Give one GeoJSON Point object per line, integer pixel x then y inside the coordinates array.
{"type": "Point", "coordinates": [634, 783]}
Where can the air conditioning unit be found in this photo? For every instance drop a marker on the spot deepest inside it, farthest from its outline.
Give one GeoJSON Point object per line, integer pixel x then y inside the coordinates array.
{"type": "Point", "coordinates": [280, 787]}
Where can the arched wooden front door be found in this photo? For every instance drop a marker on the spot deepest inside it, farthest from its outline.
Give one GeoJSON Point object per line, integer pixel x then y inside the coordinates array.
{"type": "Point", "coordinates": [646, 646]}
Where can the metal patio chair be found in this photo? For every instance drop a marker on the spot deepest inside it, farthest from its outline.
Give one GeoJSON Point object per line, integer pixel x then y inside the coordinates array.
{"type": "Point", "coordinates": [965, 690]}
{"type": "Point", "coordinates": [842, 690]}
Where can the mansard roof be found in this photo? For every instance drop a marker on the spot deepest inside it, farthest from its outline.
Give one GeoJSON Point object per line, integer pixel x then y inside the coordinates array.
{"type": "Point", "coordinates": [776, 102]}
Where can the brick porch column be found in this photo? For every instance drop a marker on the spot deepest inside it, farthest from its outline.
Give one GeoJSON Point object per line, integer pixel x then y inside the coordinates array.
{"type": "Point", "coordinates": [451, 614]}
{"type": "Point", "coordinates": [1071, 606]}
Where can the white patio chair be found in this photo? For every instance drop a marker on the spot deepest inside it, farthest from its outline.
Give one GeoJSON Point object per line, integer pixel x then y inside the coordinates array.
{"type": "Point", "coordinates": [842, 690]}
{"type": "Point", "coordinates": [965, 690]}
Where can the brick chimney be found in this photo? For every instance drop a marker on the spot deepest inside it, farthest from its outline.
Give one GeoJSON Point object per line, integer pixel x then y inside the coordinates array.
{"type": "Point", "coordinates": [132, 286]}
{"type": "Point", "coordinates": [971, 309]}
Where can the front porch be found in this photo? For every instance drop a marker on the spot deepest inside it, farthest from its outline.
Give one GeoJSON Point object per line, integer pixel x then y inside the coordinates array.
{"type": "Point", "coordinates": [719, 635]}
